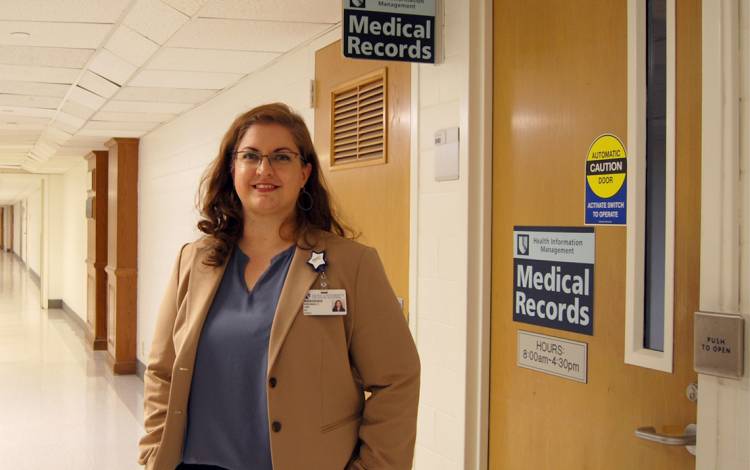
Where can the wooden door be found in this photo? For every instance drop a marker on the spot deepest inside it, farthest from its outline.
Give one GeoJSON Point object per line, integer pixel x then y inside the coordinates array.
{"type": "Point", "coordinates": [560, 80]}
{"type": "Point", "coordinates": [372, 198]}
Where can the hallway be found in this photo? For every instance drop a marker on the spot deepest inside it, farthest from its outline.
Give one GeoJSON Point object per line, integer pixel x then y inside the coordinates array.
{"type": "Point", "coordinates": [61, 406]}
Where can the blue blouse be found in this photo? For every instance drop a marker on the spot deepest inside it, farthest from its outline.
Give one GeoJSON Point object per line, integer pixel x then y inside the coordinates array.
{"type": "Point", "coordinates": [227, 412]}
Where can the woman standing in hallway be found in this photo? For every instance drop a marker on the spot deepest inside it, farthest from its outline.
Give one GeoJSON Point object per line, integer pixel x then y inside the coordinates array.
{"type": "Point", "coordinates": [250, 368]}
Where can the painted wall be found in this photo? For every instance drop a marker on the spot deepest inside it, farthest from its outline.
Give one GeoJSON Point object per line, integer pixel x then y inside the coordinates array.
{"type": "Point", "coordinates": [56, 247]}
{"type": "Point", "coordinates": [173, 158]}
{"type": "Point", "coordinates": [34, 231]}
{"type": "Point", "coordinates": [17, 230]}
{"type": "Point", "coordinates": [73, 238]}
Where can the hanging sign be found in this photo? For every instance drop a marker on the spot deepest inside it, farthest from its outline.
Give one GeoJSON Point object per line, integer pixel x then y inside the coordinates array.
{"type": "Point", "coordinates": [606, 186]}
{"type": "Point", "coordinates": [553, 277]}
{"type": "Point", "coordinates": [399, 30]}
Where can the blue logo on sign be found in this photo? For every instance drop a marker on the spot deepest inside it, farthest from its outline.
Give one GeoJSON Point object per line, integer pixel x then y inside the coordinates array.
{"type": "Point", "coordinates": [523, 245]}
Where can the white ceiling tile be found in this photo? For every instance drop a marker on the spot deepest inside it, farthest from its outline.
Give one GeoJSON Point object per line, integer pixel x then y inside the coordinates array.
{"type": "Point", "coordinates": [133, 117]}
{"type": "Point", "coordinates": [188, 7]}
{"type": "Point", "coordinates": [245, 35]}
{"type": "Point", "coordinates": [80, 141]}
{"type": "Point", "coordinates": [87, 11]}
{"type": "Point", "coordinates": [155, 20]}
{"type": "Point", "coordinates": [78, 110]}
{"type": "Point", "coordinates": [86, 98]}
{"type": "Point", "coordinates": [44, 56]}
{"type": "Point", "coordinates": [68, 122]}
{"type": "Point", "coordinates": [26, 73]}
{"type": "Point", "coordinates": [131, 45]}
{"type": "Point", "coordinates": [44, 149]}
{"type": "Point", "coordinates": [145, 107]}
{"type": "Point", "coordinates": [164, 95]}
{"type": "Point", "coordinates": [210, 60]}
{"type": "Point", "coordinates": [74, 35]}
{"type": "Point", "coordinates": [23, 126]}
{"type": "Point", "coordinates": [97, 84]}
{"type": "Point", "coordinates": [142, 126]}
{"type": "Point", "coordinates": [318, 11]}
{"type": "Point", "coordinates": [56, 135]}
{"type": "Point", "coordinates": [31, 88]}
{"type": "Point", "coordinates": [111, 133]}
{"type": "Point", "coordinates": [177, 79]}
{"type": "Point", "coordinates": [69, 127]}
{"type": "Point", "coordinates": [21, 112]}
{"type": "Point", "coordinates": [14, 148]}
{"type": "Point", "coordinates": [29, 101]}
{"type": "Point", "coordinates": [112, 67]}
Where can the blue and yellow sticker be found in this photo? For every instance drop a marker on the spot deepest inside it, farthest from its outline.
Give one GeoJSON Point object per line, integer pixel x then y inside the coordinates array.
{"type": "Point", "coordinates": [606, 181]}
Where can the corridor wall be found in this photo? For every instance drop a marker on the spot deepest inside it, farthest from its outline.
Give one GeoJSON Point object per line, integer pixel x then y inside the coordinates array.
{"type": "Point", "coordinates": [57, 241]}
{"type": "Point", "coordinates": [72, 231]}
{"type": "Point", "coordinates": [444, 263]}
{"type": "Point", "coordinates": [17, 228]}
{"type": "Point", "coordinates": [33, 252]}
{"type": "Point", "coordinates": [173, 157]}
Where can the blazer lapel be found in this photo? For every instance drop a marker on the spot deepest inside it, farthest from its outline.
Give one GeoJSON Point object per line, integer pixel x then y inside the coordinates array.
{"type": "Point", "coordinates": [204, 282]}
{"type": "Point", "coordinates": [299, 280]}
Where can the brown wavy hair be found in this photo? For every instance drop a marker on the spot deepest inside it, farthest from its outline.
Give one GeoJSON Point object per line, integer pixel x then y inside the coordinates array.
{"type": "Point", "coordinates": [222, 216]}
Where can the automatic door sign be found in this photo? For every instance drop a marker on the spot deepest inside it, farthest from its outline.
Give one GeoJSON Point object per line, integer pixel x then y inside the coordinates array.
{"type": "Point", "coordinates": [606, 186]}
{"type": "Point", "coordinates": [400, 30]}
{"type": "Point", "coordinates": [553, 277]}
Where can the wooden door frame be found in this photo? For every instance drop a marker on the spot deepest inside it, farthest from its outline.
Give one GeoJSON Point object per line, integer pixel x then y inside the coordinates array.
{"type": "Point", "coordinates": [476, 125]}
{"type": "Point", "coordinates": [725, 267]}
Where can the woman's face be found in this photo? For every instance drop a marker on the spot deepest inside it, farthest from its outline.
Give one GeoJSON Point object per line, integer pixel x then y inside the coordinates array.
{"type": "Point", "coordinates": [268, 188]}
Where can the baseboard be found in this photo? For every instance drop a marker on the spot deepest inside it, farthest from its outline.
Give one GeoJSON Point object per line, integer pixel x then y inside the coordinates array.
{"type": "Point", "coordinates": [76, 319]}
{"type": "Point", "coordinates": [35, 277]}
{"type": "Point", "coordinates": [54, 303]}
{"type": "Point", "coordinates": [140, 368]}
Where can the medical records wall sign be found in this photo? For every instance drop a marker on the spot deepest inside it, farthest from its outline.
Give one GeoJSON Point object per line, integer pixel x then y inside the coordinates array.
{"type": "Point", "coordinates": [400, 30]}
{"type": "Point", "coordinates": [606, 185]}
{"type": "Point", "coordinates": [553, 277]}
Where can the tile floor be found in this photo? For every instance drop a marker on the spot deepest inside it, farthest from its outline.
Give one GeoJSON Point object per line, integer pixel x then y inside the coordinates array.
{"type": "Point", "coordinates": [60, 405]}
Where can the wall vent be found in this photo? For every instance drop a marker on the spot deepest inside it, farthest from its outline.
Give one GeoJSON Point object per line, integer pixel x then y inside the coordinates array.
{"type": "Point", "coordinates": [358, 114]}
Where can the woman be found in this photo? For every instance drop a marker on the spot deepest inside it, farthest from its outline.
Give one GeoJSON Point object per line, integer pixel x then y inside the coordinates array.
{"type": "Point", "coordinates": [245, 370]}
{"type": "Point", "coordinates": [338, 306]}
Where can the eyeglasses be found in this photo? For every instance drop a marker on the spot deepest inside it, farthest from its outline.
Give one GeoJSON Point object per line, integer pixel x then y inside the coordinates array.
{"type": "Point", "coordinates": [278, 160]}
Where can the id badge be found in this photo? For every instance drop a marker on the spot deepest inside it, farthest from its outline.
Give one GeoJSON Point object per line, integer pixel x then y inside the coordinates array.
{"type": "Point", "coordinates": [325, 302]}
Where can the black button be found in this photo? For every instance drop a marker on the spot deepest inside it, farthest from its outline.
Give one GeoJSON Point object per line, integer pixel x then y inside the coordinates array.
{"type": "Point", "coordinates": [276, 426]}
{"type": "Point", "coordinates": [272, 382]}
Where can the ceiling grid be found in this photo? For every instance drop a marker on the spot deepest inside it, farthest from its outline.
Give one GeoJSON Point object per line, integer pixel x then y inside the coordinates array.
{"type": "Point", "coordinates": [75, 73]}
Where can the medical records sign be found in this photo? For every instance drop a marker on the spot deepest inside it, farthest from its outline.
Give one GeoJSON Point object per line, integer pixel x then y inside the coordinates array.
{"type": "Point", "coordinates": [553, 277]}
{"type": "Point", "coordinates": [400, 30]}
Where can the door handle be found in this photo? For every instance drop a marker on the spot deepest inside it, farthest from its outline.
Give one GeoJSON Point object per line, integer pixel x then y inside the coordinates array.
{"type": "Point", "coordinates": [687, 438]}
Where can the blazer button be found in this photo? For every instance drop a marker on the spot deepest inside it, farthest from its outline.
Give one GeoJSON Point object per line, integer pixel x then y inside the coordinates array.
{"type": "Point", "coordinates": [276, 426]}
{"type": "Point", "coordinates": [272, 382]}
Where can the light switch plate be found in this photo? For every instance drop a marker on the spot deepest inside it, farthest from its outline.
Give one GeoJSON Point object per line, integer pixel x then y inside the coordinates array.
{"type": "Point", "coordinates": [446, 154]}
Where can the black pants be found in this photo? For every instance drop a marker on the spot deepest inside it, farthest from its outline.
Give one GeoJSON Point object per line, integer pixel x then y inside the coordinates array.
{"type": "Point", "coordinates": [195, 466]}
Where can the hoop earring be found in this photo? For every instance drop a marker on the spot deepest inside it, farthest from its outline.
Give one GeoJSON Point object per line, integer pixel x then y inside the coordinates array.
{"type": "Point", "coordinates": [306, 207]}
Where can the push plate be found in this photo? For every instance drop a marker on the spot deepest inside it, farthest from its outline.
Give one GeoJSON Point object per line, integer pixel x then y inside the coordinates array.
{"type": "Point", "coordinates": [719, 344]}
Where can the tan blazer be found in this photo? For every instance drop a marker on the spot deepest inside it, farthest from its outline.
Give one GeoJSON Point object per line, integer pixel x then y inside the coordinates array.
{"type": "Point", "coordinates": [318, 366]}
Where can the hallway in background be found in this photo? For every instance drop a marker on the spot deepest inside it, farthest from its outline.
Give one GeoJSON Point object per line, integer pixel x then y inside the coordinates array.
{"type": "Point", "coordinates": [61, 405]}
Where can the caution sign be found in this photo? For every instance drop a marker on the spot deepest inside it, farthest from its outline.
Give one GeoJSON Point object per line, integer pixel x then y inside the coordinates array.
{"type": "Point", "coordinates": [606, 185]}
{"type": "Point", "coordinates": [553, 274]}
{"type": "Point", "coordinates": [400, 30]}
